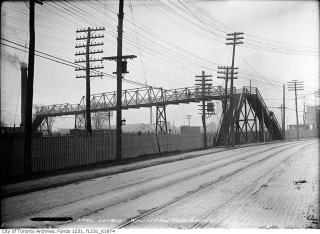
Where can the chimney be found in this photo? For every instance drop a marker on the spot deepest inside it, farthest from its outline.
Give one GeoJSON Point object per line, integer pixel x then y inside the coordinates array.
{"type": "Point", "coordinates": [24, 77]}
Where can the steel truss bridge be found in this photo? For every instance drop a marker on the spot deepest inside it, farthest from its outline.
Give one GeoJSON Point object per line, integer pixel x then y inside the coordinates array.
{"type": "Point", "coordinates": [255, 112]}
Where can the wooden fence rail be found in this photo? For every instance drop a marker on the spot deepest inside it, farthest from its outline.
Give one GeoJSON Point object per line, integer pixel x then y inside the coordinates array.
{"type": "Point", "coordinates": [54, 153]}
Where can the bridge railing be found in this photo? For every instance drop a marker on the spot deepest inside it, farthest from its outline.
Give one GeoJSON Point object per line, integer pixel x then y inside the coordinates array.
{"type": "Point", "coordinates": [135, 98]}
{"type": "Point", "coordinates": [250, 90]}
{"type": "Point", "coordinates": [59, 108]}
{"type": "Point", "coordinates": [254, 90]}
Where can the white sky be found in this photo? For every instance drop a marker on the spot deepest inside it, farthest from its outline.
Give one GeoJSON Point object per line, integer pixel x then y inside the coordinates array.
{"type": "Point", "coordinates": [174, 40]}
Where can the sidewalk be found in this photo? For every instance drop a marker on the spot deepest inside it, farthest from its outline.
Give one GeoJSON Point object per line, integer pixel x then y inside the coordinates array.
{"type": "Point", "coordinates": [61, 179]}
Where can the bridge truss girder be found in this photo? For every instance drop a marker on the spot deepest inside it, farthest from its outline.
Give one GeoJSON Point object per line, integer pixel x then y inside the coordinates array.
{"type": "Point", "coordinates": [131, 98]}
{"type": "Point", "coordinates": [150, 96]}
{"type": "Point", "coordinates": [46, 125]}
{"type": "Point", "coordinates": [252, 119]}
{"type": "Point", "coordinates": [80, 121]}
{"type": "Point", "coordinates": [247, 124]}
{"type": "Point", "coordinates": [134, 98]}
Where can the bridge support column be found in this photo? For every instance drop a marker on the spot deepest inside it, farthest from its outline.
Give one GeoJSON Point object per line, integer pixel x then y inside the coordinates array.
{"type": "Point", "coordinates": [46, 125]}
{"type": "Point", "coordinates": [238, 128]}
{"type": "Point", "coordinates": [161, 120]}
{"type": "Point", "coordinates": [80, 121]}
{"type": "Point", "coordinates": [246, 124]}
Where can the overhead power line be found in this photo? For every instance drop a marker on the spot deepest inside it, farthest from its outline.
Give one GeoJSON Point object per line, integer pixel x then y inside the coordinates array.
{"type": "Point", "coordinates": [253, 41]}
{"type": "Point", "coordinates": [63, 61]}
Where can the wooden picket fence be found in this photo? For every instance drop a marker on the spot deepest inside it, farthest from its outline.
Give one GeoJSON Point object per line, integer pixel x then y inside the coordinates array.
{"type": "Point", "coordinates": [54, 153]}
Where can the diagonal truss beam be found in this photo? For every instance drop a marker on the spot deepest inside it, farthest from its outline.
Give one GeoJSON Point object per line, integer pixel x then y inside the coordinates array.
{"type": "Point", "coordinates": [132, 98]}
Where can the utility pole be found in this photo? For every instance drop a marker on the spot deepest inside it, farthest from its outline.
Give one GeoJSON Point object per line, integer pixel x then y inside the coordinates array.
{"type": "Point", "coordinates": [205, 89]}
{"type": "Point", "coordinates": [89, 37]}
{"type": "Point", "coordinates": [121, 68]}
{"type": "Point", "coordinates": [119, 84]}
{"type": "Point", "coordinates": [29, 93]}
{"type": "Point", "coordinates": [188, 118]}
{"type": "Point", "coordinates": [282, 118]}
{"type": "Point", "coordinates": [225, 72]}
{"type": "Point", "coordinates": [233, 39]}
{"type": "Point", "coordinates": [150, 106]}
{"type": "Point", "coordinates": [295, 86]}
{"type": "Point", "coordinates": [284, 112]}
{"type": "Point", "coordinates": [110, 134]}
{"type": "Point", "coordinates": [304, 112]}
{"type": "Point", "coordinates": [316, 108]}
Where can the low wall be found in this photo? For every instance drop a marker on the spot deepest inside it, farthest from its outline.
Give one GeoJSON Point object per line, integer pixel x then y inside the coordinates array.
{"type": "Point", "coordinates": [54, 153]}
{"type": "Point", "coordinates": [308, 133]}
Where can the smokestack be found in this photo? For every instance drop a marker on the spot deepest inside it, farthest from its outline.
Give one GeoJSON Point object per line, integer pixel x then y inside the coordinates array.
{"type": "Point", "coordinates": [24, 77]}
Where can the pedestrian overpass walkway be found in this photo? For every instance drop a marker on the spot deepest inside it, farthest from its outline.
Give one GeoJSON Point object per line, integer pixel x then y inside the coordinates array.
{"type": "Point", "coordinates": [252, 119]}
{"type": "Point", "coordinates": [252, 116]}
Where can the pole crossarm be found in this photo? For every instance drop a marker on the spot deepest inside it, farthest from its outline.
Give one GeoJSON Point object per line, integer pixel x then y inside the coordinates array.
{"type": "Point", "coordinates": [91, 44]}
{"type": "Point", "coordinates": [227, 70]}
{"type": "Point", "coordinates": [122, 57]}
{"type": "Point", "coordinates": [91, 76]}
{"type": "Point", "coordinates": [90, 60]}
{"type": "Point", "coordinates": [90, 52]}
{"type": "Point", "coordinates": [90, 68]}
{"type": "Point", "coordinates": [92, 29]}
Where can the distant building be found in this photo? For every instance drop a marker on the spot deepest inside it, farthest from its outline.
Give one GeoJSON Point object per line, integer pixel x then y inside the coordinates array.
{"type": "Point", "coordinates": [140, 127]}
{"type": "Point", "coordinates": [190, 130]}
{"type": "Point", "coordinates": [312, 116]}
{"type": "Point", "coordinates": [95, 132]}
{"type": "Point", "coordinates": [301, 127]}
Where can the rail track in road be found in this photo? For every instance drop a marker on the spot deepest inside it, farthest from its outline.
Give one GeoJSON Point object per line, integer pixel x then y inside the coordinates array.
{"type": "Point", "coordinates": [235, 160]}
{"type": "Point", "coordinates": [202, 222]}
{"type": "Point", "coordinates": [229, 156]}
{"type": "Point", "coordinates": [231, 159]}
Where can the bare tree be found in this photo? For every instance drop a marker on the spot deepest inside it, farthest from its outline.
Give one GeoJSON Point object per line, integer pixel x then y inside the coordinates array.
{"type": "Point", "coordinates": [100, 119]}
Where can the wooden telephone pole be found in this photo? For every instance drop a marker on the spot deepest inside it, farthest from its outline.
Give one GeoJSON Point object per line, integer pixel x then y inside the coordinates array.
{"type": "Point", "coordinates": [119, 84]}
{"type": "Point", "coordinates": [224, 73]}
{"type": "Point", "coordinates": [233, 39]}
{"type": "Point", "coordinates": [121, 68]}
{"type": "Point", "coordinates": [295, 86]}
{"type": "Point", "coordinates": [29, 94]}
{"type": "Point", "coordinates": [88, 37]}
{"type": "Point", "coordinates": [284, 112]}
{"type": "Point", "coordinates": [205, 89]}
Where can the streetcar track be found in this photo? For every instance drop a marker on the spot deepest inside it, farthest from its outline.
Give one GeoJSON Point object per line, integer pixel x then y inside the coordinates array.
{"type": "Point", "coordinates": [201, 224]}
{"type": "Point", "coordinates": [201, 187]}
{"type": "Point", "coordinates": [170, 183]}
{"type": "Point", "coordinates": [254, 153]}
{"type": "Point", "coordinates": [184, 178]}
{"type": "Point", "coordinates": [9, 194]}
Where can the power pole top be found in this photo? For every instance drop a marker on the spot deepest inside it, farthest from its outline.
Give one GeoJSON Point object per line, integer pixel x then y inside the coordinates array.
{"type": "Point", "coordinates": [87, 67]}
{"type": "Point", "coordinates": [233, 39]}
{"type": "Point", "coordinates": [205, 88]}
{"type": "Point", "coordinates": [296, 85]}
{"type": "Point", "coordinates": [203, 75]}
